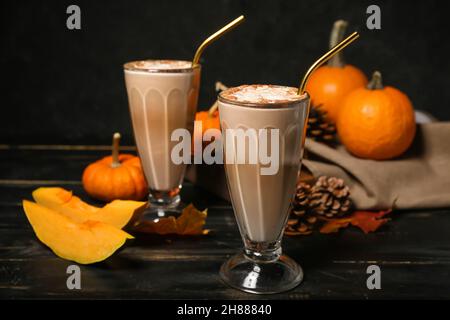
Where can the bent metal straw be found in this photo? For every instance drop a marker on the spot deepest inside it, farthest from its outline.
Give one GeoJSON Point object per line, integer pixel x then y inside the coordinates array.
{"type": "Point", "coordinates": [214, 37]}
{"type": "Point", "coordinates": [327, 56]}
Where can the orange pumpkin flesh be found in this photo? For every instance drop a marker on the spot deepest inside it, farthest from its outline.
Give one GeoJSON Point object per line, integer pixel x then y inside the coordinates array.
{"type": "Point", "coordinates": [115, 177]}
{"type": "Point", "coordinates": [329, 84]}
{"type": "Point", "coordinates": [84, 243]}
{"type": "Point", "coordinates": [376, 123]}
{"type": "Point", "coordinates": [118, 213]}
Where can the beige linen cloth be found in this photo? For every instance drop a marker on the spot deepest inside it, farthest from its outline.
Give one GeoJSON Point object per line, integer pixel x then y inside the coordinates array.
{"type": "Point", "coordinates": [418, 179]}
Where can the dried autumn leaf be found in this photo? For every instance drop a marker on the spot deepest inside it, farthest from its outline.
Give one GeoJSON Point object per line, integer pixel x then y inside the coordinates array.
{"type": "Point", "coordinates": [334, 225]}
{"type": "Point", "coordinates": [190, 222]}
{"type": "Point", "coordinates": [161, 226]}
{"type": "Point", "coordinates": [367, 221]}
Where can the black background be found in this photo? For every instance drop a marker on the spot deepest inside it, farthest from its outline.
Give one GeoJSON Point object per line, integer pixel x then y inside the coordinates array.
{"type": "Point", "coordinates": [66, 86]}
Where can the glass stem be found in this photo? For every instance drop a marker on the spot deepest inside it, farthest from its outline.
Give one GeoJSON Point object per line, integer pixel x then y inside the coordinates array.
{"type": "Point", "coordinates": [261, 252]}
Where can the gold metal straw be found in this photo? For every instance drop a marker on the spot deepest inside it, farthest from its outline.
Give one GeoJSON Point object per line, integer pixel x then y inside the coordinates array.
{"type": "Point", "coordinates": [327, 56]}
{"type": "Point", "coordinates": [214, 37]}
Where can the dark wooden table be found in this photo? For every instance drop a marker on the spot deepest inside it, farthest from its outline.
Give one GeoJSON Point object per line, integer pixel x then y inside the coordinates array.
{"type": "Point", "coordinates": [413, 250]}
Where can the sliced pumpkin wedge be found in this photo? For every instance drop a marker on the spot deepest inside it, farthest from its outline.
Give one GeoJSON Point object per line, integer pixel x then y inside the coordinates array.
{"type": "Point", "coordinates": [86, 242]}
{"type": "Point", "coordinates": [118, 213]}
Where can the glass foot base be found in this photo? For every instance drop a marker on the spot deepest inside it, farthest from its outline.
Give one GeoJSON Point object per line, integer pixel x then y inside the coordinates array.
{"type": "Point", "coordinates": [153, 213]}
{"type": "Point", "coordinates": [162, 204]}
{"type": "Point", "coordinates": [243, 273]}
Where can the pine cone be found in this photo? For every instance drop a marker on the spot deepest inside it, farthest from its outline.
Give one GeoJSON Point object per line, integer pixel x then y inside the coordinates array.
{"type": "Point", "coordinates": [302, 219]}
{"type": "Point", "coordinates": [300, 203]}
{"type": "Point", "coordinates": [319, 127]}
{"type": "Point", "coordinates": [330, 197]}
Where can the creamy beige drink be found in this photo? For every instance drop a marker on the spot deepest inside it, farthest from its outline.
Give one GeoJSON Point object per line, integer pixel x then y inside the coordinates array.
{"type": "Point", "coordinates": [162, 97]}
{"type": "Point", "coordinates": [261, 191]}
{"type": "Point", "coordinates": [261, 201]}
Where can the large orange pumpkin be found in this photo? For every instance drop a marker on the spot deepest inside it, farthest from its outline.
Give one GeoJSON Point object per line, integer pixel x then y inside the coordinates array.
{"type": "Point", "coordinates": [329, 84]}
{"type": "Point", "coordinates": [118, 176]}
{"type": "Point", "coordinates": [376, 122]}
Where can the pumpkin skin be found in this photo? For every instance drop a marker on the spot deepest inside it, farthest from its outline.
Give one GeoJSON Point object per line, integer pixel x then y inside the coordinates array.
{"type": "Point", "coordinates": [106, 182]}
{"type": "Point", "coordinates": [328, 86]}
{"type": "Point", "coordinates": [208, 121]}
{"type": "Point", "coordinates": [84, 243]}
{"type": "Point", "coordinates": [210, 118]}
{"type": "Point", "coordinates": [376, 123]}
{"type": "Point", "coordinates": [118, 213]}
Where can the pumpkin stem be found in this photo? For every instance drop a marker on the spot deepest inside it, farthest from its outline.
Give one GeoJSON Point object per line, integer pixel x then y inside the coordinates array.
{"type": "Point", "coordinates": [115, 150]}
{"type": "Point", "coordinates": [219, 87]}
{"type": "Point", "coordinates": [337, 35]}
{"type": "Point", "coordinates": [376, 83]}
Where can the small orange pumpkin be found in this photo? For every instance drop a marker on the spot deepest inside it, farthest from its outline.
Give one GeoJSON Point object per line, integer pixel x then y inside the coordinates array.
{"type": "Point", "coordinates": [376, 122]}
{"type": "Point", "coordinates": [118, 176]}
{"type": "Point", "coordinates": [329, 84]}
{"type": "Point", "coordinates": [210, 118]}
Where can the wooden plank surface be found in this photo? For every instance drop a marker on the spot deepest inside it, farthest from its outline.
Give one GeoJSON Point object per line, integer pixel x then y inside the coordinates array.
{"type": "Point", "coordinates": [413, 250]}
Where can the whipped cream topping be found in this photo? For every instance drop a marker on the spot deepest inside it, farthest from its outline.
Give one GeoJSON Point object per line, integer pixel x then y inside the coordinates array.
{"type": "Point", "coordinates": [261, 93]}
{"type": "Point", "coordinates": [159, 64]}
